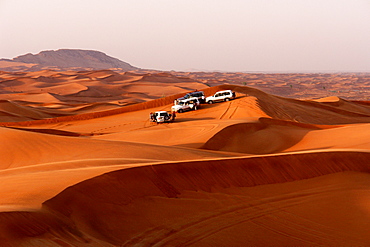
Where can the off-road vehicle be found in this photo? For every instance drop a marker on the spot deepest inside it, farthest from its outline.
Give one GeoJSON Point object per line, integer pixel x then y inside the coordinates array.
{"type": "Point", "coordinates": [162, 117]}
{"type": "Point", "coordinates": [225, 95]}
{"type": "Point", "coordinates": [196, 94]}
{"type": "Point", "coordinates": [185, 105]}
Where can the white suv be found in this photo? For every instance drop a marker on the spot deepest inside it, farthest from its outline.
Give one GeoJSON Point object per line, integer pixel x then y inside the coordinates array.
{"type": "Point", "coordinates": [225, 95]}
{"type": "Point", "coordinates": [185, 105]}
{"type": "Point", "coordinates": [162, 117]}
{"type": "Point", "coordinates": [197, 94]}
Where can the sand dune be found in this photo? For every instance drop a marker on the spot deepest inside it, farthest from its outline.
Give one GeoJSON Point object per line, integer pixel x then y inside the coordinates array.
{"type": "Point", "coordinates": [231, 186]}
{"type": "Point", "coordinates": [82, 165]}
{"type": "Point", "coordinates": [211, 202]}
{"type": "Point", "coordinates": [68, 148]}
{"type": "Point", "coordinates": [31, 156]}
{"type": "Point", "coordinates": [88, 87]}
{"type": "Point", "coordinates": [268, 136]}
{"type": "Point", "coordinates": [11, 111]}
{"type": "Point", "coordinates": [65, 89]}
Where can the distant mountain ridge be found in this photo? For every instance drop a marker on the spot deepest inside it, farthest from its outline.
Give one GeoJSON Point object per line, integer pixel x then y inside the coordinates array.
{"type": "Point", "coordinates": [65, 59]}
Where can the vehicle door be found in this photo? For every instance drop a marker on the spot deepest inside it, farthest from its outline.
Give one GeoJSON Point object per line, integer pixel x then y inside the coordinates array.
{"type": "Point", "coordinates": [218, 97]}
{"type": "Point", "coordinates": [186, 106]}
{"type": "Point", "coordinates": [227, 95]}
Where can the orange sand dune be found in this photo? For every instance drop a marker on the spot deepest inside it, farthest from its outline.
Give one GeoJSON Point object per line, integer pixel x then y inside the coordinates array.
{"type": "Point", "coordinates": [47, 73]}
{"type": "Point", "coordinates": [89, 87]}
{"type": "Point", "coordinates": [82, 165]}
{"type": "Point", "coordinates": [261, 104]}
{"type": "Point", "coordinates": [246, 201]}
{"type": "Point", "coordinates": [13, 111]}
{"type": "Point", "coordinates": [16, 65]}
{"type": "Point", "coordinates": [64, 89]}
{"type": "Point", "coordinates": [356, 107]}
{"type": "Point", "coordinates": [71, 148]}
{"type": "Point", "coordinates": [30, 156]}
{"type": "Point", "coordinates": [94, 107]}
{"type": "Point", "coordinates": [27, 99]}
{"type": "Point", "coordinates": [268, 136]}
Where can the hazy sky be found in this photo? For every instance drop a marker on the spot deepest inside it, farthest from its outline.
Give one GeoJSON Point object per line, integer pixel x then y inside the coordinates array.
{"type": "Point", "coordinates": [228, 35]}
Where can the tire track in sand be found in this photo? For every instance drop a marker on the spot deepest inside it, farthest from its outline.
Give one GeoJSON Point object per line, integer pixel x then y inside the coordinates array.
{"type": "Point", "coordinates": [307, 232]}
{"type": "Point", "coordinates": [227, 109]}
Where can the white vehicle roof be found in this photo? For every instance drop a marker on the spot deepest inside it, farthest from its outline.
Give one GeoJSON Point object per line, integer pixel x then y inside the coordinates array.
{"type": "Point", "coordinates": [160, 112]}
{"type": "Point", "coordinates": [189, 99]}
{"type": "Point", "coordinates": [224, 91]}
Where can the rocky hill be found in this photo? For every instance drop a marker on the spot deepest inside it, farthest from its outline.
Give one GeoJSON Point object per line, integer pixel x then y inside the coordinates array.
{"type": "Point", "coordinates": [64, 59]}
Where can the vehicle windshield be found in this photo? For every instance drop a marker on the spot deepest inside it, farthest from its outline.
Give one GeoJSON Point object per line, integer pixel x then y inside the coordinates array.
{"type": "Point", "coordinates": [163, 114]}
{"type": "Point", "coordinates": [181, 103]}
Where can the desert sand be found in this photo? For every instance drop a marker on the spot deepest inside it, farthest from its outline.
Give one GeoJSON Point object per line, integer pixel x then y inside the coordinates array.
{"type": "Point", "coordinates": [82, 165]}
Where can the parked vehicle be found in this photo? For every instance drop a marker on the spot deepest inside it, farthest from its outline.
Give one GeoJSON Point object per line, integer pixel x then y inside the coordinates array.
{"type": "Point", "coordinates": [196, 94]}
{"type": "Point", "coordinates": [185, 105]}
{"type": "Point", "coordinates": [162, 117]}
{"type": "Point", "coordinates": [225, 95]}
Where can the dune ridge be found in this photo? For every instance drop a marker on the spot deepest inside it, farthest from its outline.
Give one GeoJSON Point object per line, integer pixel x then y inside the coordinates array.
{"type": "Point", "coordinates": [175, 181]}
{"type": "Point", "coordinates": [169, 179]}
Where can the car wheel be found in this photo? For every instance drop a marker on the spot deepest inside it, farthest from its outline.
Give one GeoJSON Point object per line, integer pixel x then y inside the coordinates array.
{"type": "Point", "coordinates": [210, 102]}
{"type": "Point", "coordinates": [227, 99]}
{"type": "Point", "coordinates": [180, 111]}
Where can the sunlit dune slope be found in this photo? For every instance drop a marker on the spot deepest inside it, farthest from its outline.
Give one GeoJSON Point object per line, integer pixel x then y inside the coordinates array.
{"type": "Point", "coordinates": [38, 166]}
{"type": "Point", "coordinates": [23, 148]}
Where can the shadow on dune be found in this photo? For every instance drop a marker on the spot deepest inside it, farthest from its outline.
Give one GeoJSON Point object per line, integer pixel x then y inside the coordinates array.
{"type": "Point", "coordinates": [54, 132]}
{"type": "Point", "coordinates": [19, 227]}
{"type": "Point", "coordinates": [181, 119]}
